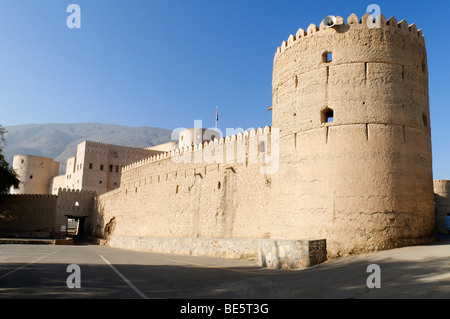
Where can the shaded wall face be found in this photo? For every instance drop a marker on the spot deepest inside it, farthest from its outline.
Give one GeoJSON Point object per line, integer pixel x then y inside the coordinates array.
{"type": "Point", "coordinates": [42, 215]}
{"type": "Point", "coordinates": [28, 213]}
{"type": "Point", "coordinates": [74, 204]}
{"type": "Point", "coordinates": [355, 145]}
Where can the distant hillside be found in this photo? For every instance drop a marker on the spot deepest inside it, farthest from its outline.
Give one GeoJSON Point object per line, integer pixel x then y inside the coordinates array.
{"type": "Point", "coordinates": [59, 141]}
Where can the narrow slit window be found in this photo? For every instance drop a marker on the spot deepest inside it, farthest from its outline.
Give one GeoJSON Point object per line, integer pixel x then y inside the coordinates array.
{"type": "Point", "coordinates": [425, 120]}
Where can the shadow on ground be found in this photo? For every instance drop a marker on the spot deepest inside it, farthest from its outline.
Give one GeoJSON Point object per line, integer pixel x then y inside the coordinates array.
{"type": "Point", "coordinates": [343, 279]}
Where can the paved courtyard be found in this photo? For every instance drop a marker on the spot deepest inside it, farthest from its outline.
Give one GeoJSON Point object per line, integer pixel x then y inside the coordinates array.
{"type": "Point", "coordinates": [42, 271]}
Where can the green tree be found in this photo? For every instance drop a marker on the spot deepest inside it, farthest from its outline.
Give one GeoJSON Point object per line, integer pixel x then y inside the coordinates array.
{"type": "Point", "coordinates": [8, 176]}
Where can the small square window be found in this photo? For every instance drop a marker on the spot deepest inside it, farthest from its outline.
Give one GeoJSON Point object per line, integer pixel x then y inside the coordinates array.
{"type": "Point", "coordinates": [90, 165]}
{"type": "Point", "coordinates": [327, 57]}
{"type": "Point", "coordinates": [101, 167]}
{"type": "Point", "coordinates": [327, 115]}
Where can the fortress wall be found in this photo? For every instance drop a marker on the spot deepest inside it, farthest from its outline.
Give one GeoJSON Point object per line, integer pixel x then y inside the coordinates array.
{"type": "Point", "coordinates": [363, 178]}
{"type": "Point", "coordinates": [442, 202]}
{"type": "Point", "coordinates": [28, 215]}
{"type": "Point", "coordinates": [43, 215]}
{"type": "Point", "coordinates": [214, 190]}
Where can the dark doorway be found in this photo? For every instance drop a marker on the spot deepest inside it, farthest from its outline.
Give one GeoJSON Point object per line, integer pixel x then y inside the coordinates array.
{"type": "Point", "coordinates": [76, 228]}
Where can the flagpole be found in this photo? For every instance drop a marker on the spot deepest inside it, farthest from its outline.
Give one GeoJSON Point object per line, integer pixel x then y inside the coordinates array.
{"type": "Point", "coordinates": [217, 116]}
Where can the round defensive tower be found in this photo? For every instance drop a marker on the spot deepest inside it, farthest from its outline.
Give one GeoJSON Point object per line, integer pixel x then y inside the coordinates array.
{"type": "Point", "coordinates": [352, 108]}
{"type": "Point", "coordinates": [442, 202]}
{"type": "Point", "coordinates": [35, 174]}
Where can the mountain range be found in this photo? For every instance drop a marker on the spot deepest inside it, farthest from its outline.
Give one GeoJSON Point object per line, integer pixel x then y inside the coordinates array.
{"type": "Point", "coordinates": [59, 141]}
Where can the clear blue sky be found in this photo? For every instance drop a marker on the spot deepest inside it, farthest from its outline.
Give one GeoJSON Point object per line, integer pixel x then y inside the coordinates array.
{"type": "Point", "coordinates": [166, 63]}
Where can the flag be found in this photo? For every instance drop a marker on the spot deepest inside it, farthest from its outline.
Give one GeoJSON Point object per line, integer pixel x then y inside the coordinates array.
{"type": "Point", "coordinates": [217, 113]}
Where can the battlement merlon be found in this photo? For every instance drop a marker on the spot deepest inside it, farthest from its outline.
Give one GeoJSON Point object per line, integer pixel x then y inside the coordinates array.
{"type": "Point", "coordinates": [75, 191]}
{"type": "Point", "coordinates": [352, 23]}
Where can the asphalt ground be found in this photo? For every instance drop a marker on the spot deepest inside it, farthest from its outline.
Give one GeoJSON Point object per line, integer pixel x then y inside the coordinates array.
{"type": "Point", "coordinates": [53, 272]}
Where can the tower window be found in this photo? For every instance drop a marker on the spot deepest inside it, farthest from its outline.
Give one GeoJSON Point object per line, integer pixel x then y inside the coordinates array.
{"type": "Point", "coordinates": [327, 115]}
{"type": "Point", "coordinates": [327, 57]}
{"type": "Point", "coordinates": [425, 120]}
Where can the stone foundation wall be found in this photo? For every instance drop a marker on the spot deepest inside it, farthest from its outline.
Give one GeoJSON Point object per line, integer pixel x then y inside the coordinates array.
{"type": "Point", "coordinates": [271, 253]}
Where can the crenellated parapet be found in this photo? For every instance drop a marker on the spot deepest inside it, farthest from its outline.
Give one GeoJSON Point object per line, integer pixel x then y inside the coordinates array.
{"type": "Point", "coordinates": [353, 22]}
{"type": "Point", "coordinates": [75, 191]}
{"type": "Point", "coordinates": [206, 148]}
{"type": "Point", "coordinates": [117, 147]}
{"type": "Point", "coordinates": [442, 186]}
{"type": "Point", "coordinates": [32, 196]}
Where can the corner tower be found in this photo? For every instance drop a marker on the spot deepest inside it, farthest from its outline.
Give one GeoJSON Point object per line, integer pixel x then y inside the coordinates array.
{"type": "Point", "coordinates": [35, 174]}
{"type": "Point", "coordinates": [351, 103]}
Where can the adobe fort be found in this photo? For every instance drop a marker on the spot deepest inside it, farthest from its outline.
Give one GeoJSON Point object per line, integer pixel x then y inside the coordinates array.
{"type": "Point", "coordinates": [345, 168]}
